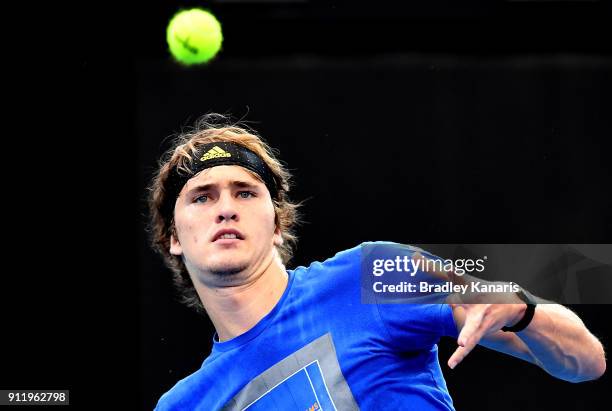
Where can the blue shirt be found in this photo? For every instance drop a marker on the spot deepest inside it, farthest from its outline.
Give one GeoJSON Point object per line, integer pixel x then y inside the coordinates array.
{"type": "Point", "coordinates": [320, 348]}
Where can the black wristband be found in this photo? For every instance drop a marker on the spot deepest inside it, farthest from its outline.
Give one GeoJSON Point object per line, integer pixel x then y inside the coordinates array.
{"type": "Point", "coordinates": [527, 317]}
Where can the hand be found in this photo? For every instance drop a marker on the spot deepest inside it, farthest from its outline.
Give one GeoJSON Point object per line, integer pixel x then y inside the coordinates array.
{"type": "Point", "coordinates": [481, 313]}
{"type": "Point", "coordinates": [481, 320]}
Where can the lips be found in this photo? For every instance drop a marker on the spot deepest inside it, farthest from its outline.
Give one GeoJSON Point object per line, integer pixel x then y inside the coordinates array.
{"type": "Point", "coordinates": [227, 234]}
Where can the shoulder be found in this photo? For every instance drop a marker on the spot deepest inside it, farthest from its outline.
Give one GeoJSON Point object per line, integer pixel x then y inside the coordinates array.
{"type": "Point", "coordinates": [347, 265]}
{"type": "Point", "coordinates": [185, 393]}
{"type": "Point", "coordinates": [341, 262]}
{"type": "Point", "coordinates": [355, 254]}
{"type": "Point", "coordinates": [170, 400]}
{"type": "Point", "coordinates": [177, 396]}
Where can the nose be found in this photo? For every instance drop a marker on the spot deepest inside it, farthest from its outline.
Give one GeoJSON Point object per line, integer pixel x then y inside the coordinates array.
{"type": "Point", "coordinates": [226, 208]}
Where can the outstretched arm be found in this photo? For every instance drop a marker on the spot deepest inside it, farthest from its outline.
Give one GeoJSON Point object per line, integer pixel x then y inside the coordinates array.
{"type": "Point", "coordinates": [556, 339]}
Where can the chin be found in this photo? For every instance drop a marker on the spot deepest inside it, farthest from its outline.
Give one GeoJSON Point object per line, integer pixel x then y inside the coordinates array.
{"type": "Point", "coordinates": [228, 268]}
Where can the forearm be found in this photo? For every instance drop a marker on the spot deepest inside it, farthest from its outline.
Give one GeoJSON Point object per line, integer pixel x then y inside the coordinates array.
{"type": "Point", "coordinates": [561, 344]}
{"type": "Point", "coordinates": [555, 339]}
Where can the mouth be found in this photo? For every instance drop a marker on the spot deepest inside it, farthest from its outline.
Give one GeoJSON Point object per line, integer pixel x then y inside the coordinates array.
{"type": "Point", "coordinates": [227, 235]}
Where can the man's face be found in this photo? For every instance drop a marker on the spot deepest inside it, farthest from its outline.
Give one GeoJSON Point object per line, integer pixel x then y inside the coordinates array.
{"type": "Point", "coordinates": [224, 220]}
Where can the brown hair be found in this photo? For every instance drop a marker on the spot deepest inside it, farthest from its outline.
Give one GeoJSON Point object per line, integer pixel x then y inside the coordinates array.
{"type": "Point", "coordinates": [212, 128]}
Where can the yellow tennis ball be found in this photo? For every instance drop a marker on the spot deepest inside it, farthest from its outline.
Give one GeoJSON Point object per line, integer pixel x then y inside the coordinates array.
{"type": "Point", "coordinates": [194, 36]}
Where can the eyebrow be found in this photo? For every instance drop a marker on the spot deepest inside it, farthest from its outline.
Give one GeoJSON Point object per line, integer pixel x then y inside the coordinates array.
{"type": "Point", "coordinates": [233, 184]}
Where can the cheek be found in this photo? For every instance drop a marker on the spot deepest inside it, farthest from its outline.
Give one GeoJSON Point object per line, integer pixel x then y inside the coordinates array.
{"type": "Point", "coordinates": [188, 231]}
{"type": "Point", "coordinates": [271, 217]}
{"type": "Point", "coordinates": [263, 223]}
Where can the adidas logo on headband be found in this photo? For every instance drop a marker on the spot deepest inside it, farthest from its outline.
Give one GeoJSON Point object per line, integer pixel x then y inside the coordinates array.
{"type": "Point", "coordinates": [215, 152]}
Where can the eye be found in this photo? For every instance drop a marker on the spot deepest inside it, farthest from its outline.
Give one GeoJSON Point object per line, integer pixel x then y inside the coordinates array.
{"type": "Point", "coordinates": [201, 199]}
{"type": "Point", "coordinates": [246, 194]}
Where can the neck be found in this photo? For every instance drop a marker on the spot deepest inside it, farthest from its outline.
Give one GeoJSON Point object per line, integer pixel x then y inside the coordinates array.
{"type": "Point", "coordinates": [235, 310]}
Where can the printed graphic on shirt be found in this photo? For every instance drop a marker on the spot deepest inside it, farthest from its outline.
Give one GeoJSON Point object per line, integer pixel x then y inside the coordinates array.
{"type": "Point", "coordinates": [310, 379]}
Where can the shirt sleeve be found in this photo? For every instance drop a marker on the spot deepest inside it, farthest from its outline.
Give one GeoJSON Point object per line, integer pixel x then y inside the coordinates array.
{"type": "Point", "coordinates": [414, 326]}
{"type": "Point", "coordinates": [417, 326]}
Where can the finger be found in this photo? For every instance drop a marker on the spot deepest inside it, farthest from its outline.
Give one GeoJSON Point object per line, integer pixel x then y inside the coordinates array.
{"type": "Point", "coordinates": [458, 356]}
{"type": "Point", "coordinates": [473, 320]}
{"type": "Point", "coordinates": [467, 341]}
{"type": "Point", "coordinates": [463, 350]}
{"type": "Point", "coordinates": [470, 340]}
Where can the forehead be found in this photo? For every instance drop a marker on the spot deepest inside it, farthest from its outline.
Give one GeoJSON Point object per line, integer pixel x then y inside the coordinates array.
{"type": "Point", "coordinates": [221, 175]}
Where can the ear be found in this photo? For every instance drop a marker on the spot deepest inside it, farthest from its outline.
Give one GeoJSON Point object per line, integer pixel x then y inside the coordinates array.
{"type": "Point", "coordinates": [278, 238]}
{"type": "Point", "coordinates": [175, 246]}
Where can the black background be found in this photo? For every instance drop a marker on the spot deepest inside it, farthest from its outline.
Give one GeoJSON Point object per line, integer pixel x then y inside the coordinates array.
{"type": "Point", "coordinates": [443, 122]}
